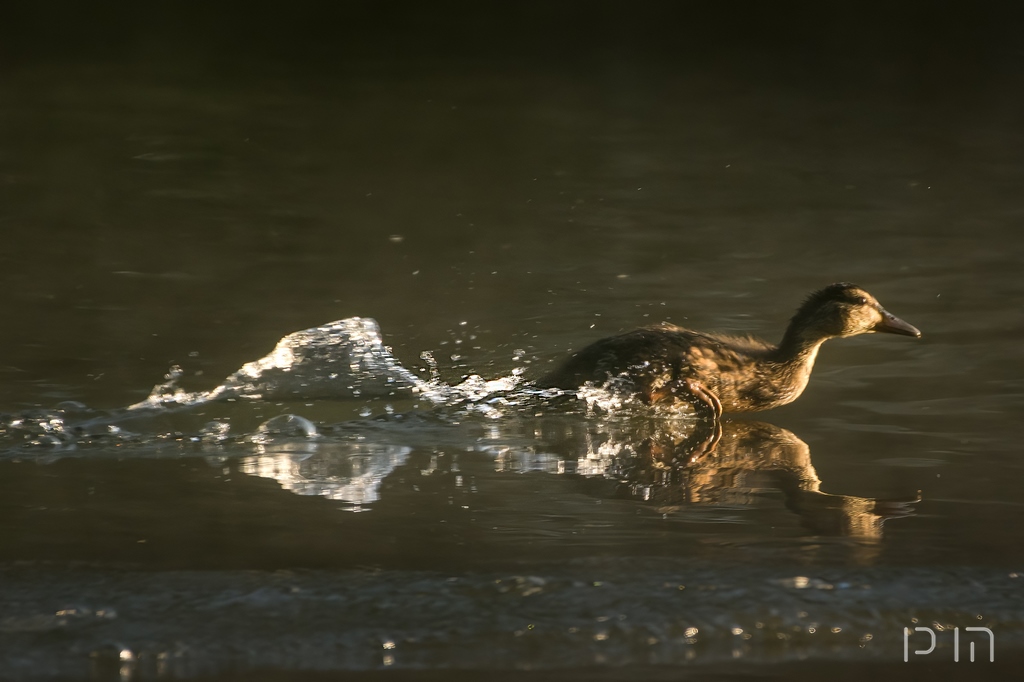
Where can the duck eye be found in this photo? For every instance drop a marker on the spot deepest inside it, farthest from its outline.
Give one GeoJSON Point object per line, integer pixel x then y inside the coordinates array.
{"type": "Point", "coordinates": [861, 300]}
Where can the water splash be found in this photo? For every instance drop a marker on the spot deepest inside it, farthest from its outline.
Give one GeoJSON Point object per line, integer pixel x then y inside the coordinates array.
{"type": "Point", "coordinates": [215, 432]}
{"type": "Point", "coordinates": [338, 360]}
{"type": "Point", "coordinates": [285, 425]}
{"type": "Point", "coordinates": [344, 359]}
{"type": "Point", "coordinates": [341, 359]}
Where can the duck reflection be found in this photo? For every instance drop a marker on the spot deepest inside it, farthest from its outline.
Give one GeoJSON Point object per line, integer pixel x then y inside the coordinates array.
{"type": "Point", "coordinates": [741, 461]}
{"type": "Point", "coordinates": [669, 464]}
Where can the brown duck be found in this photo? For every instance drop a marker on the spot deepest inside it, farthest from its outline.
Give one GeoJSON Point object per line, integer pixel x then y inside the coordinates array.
{"type": "Point", "coordinates": [666, 364]}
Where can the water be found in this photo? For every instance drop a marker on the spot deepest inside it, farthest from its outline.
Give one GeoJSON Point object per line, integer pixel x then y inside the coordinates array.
{"type": "Point", "coordinates": [272, 315]}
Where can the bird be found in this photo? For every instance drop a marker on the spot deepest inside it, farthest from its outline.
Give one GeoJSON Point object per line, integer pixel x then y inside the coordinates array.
{"type": "Point", "coordinates": [667, 365]}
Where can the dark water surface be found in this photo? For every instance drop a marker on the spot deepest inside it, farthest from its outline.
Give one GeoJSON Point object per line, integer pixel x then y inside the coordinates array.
{"type": "Point", "coordinates": [169, 204]}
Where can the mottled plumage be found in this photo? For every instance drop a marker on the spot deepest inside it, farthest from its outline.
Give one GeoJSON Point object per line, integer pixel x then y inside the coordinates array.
{"type": "Point", "coordinates": [716, 372]}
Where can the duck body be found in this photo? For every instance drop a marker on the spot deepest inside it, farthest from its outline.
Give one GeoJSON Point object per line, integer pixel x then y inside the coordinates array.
{"type": "Point", "coordinates": [666, 364]}
{"type": "Point", "coordinates": [745, 374]}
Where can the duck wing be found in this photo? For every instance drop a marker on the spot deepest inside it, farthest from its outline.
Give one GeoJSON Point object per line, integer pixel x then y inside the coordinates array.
{"type": "Point", "coordinates": [663, 349]}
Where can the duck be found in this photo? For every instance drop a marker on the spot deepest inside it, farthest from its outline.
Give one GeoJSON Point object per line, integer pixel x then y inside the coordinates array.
{"type": "Point", "coordinates": [667, 365]}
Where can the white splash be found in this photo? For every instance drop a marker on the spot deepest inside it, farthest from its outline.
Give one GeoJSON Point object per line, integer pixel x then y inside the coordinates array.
{"type": "Point", "coordinates": [341, 359]}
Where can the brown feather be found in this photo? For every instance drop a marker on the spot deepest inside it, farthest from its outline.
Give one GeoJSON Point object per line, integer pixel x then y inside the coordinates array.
{"type": "Point", "coordinates": [745, 373]}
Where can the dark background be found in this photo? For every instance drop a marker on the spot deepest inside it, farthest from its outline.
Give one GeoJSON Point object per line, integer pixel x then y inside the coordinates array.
{"type": "Point", "coordinates": [929, 47]}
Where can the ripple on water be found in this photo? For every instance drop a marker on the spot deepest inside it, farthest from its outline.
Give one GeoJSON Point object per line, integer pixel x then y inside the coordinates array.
{"type": "Point", "coordinates": [663, 612]}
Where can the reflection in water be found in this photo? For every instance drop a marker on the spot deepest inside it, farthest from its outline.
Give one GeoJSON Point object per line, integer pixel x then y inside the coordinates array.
{"type": "Point", "coordinates": [670, 464]}
{"type": "Point", "coordinates": [342, 472]}
{"type": "Point", "coordinates": [746, 460]}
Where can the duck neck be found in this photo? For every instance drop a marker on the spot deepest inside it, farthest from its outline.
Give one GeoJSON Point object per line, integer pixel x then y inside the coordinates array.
{"type": "Point", "coordinates": [799, 347]}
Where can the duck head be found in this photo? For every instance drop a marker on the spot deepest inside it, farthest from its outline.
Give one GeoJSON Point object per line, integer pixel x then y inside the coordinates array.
{"type": "Point", "coordinates": [844, 309]}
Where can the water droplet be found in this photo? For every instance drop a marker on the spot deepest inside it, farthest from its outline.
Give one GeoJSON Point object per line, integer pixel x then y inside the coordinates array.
{"type": "Point", "coordinates": [215, 431]}
{"type": "Point", "coordinates": [288, 425]}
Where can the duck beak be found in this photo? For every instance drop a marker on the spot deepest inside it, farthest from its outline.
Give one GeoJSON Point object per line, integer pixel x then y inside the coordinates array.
{"type": "Point", "coordinates": [891, 324]}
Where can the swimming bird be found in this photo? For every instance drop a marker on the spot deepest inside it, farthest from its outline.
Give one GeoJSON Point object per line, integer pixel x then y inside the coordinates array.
{"type": "Point", "coordinates": [669, 365]}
